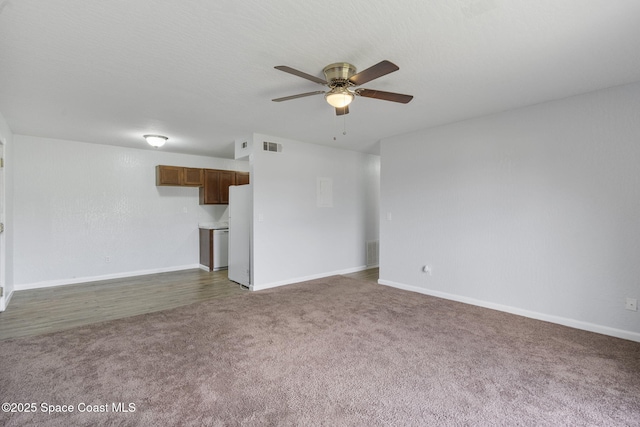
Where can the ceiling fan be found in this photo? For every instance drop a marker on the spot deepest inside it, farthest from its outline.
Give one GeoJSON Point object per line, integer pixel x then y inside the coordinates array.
{"type": "Point", "coordinates": [341, 78]}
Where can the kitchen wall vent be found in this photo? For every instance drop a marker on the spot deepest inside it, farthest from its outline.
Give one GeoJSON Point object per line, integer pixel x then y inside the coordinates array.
{"type": "Point", "coordinates": [272, 146]}
{"type": "Point", "coordinates": [373, 250]}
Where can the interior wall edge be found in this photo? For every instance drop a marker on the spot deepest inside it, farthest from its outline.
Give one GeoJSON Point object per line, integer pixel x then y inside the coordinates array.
{"type": "Point", "coordinates": [7, 300]}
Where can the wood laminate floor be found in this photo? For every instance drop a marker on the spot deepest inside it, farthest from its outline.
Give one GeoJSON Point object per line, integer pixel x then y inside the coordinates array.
{"type": "Point", "coordinates": [40, 311]}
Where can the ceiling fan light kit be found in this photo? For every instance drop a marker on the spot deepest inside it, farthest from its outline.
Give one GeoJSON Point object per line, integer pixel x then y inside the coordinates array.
{"type": "Point", "coordinates": [339, 97]}
{"type": "Point", "coordinates": [342, 78]}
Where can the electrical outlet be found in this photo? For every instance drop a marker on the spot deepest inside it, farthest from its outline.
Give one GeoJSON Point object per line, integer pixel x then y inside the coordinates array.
{"type": "Point", "coordinates": [107, 259]}
{"type": "Point", "coordinates": [632, 304]}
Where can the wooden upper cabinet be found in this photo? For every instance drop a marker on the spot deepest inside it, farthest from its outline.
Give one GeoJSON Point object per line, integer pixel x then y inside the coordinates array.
{"type": "Point", "coordinates": [178, 175]}
{"type": "Point", "coordinates": [242, 178]}
{"type": "Point", "coordinates": [193, 177]}
{"type": "Point", "coordinates": [210, 193]}
{"type": "Point", "coordinates": [216, 187]}
{"type": "Point", "coordinates": [169, 175]}
{"type": "Point", "coordinates": [227, 178]}
{"type": "Point", "coordinates": [214, 183]}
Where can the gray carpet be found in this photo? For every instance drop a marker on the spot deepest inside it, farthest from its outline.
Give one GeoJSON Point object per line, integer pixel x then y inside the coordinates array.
{"type": "Point", "coordinates": [334, 351]}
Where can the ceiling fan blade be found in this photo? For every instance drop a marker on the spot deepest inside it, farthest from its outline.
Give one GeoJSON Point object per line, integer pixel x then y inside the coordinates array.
{"type": "Point", "coordinates": [342, 111]}
{"type": "Point", "coordinates": [300, 95]}
{"type": "Point", "coordinates": [380, 69]}
{"type": "Point", "coordinates": [300, 74]}
{"type": "Point", "coordinates": [387, 96]}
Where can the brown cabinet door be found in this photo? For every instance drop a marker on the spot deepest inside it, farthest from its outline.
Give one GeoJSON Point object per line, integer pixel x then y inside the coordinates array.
{"type": "Point", "coordinates": [242, 178]}
{"type": "Point", "coordinates": [210, 192]}
{"type": "Point", "coordinates": [206, 248]}
{"type": "Point", "coordinates": [168, 175]}
{"type": "Point", "coordinates": [227, 178]}
{"type": "Point", "coordinates": [193, 177]}
{"type": "Point", "coordinates": [216, 187]}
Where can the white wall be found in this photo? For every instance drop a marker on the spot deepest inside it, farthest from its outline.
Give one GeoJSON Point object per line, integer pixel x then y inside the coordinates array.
{"type": "Point", "coordinates": [295, 239]}
{"type": "Point", "coordinates": [534, 211]}
{"type": "Point", "coordinates": [6, 238]}
{"type": "Point", "coordinates": [77, 203]}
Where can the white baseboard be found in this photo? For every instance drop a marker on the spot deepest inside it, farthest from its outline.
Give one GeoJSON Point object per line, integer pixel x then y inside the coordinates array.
{"type": "Point", "coordinates": [206, 268]}
{"type": "Point", "coordinates": [4, 303]}
{"type": "Point", "coordinates": [263, 286]}
{"type": "Point", "coordinates": [577, 324]}
{"type": "Point", "coordinates": [75, 280]}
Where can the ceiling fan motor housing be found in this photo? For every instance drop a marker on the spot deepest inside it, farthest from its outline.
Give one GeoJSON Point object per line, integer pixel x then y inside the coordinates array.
{"type": "Point", "coordinates": [338, 74]}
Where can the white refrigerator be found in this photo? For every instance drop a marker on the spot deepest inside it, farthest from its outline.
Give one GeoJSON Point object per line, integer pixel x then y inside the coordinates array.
{"type": "Point", "coordinates": [240, 223]}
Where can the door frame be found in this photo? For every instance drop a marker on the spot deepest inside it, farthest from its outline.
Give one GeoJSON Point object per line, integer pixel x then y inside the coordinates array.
{"type": "Point", "coordinates": [3, 180]}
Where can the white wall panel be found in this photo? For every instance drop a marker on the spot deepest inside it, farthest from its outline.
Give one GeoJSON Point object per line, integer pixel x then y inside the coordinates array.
{"type": "Point", "coordinates": [77, 204]}
{"type": "Point", "coordinates": [535, 210]}
{"type": "Point", "coordinates": [295, 237]}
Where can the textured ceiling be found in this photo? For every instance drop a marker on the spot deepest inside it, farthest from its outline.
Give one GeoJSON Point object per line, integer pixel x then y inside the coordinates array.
{"type": "Point", "coordinates": [201, 71]}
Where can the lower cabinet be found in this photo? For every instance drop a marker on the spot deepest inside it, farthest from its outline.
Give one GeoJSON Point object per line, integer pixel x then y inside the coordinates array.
{"type": "Point", "coordinates": [214, 249]}
{"type": "Point", "coordinates": [206, 249]}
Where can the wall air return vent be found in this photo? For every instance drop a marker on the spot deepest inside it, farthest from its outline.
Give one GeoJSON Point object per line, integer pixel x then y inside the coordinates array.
{"type": "Point", "coordinates": [373, 253]}
{"type": "Point", "coordinates": [272, 146]}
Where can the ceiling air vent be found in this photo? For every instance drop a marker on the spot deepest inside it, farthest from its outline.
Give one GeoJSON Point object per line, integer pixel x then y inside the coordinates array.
{"type": "Point", "coordinates": [272, 146]}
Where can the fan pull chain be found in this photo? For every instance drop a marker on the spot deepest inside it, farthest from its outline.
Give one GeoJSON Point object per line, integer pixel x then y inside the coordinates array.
{"type": "Point", "coordinates": [344, 126]}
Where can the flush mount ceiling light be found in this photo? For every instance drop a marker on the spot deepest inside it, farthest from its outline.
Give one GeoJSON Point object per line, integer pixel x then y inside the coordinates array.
{"type": "Point", "coordinates": [339, 97]}
{"type": "Point", "coordinates": [155, 140]}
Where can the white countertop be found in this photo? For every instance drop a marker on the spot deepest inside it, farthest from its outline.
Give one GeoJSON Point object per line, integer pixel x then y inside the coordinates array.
{"type": "Point", "coordinates": [213, 225]}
